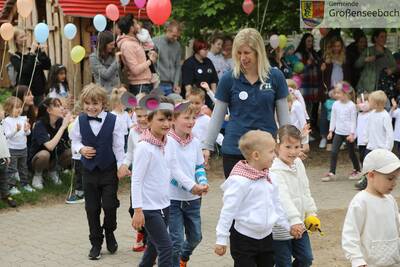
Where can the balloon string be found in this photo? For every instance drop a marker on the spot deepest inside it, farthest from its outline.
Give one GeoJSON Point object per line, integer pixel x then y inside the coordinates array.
{"type": "Point", "coordinates": [20, 68]}
{"type": "Point", "coordinates": [74, 82]}
{"type": "Point", "coordinates": [265, 12]}
{"type": "Point", "coordinates": [30, 82]}
{"type": "Point", "coordinates": [2, 61]}
{"type": "Point", "coordinates": [139, 13]}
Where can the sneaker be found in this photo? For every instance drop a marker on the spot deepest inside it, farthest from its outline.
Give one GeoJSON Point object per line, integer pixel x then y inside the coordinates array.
{"type": "Point", "coordinates": [362, 183]}
{"type": "Point", "coordinates": [328, 177]}
{"type": "Point", "coordinates": [328, 147]}
{"type": "Point", "coordinates": [182, 263]}
{"type": "Point", "coordinates": [355, 175]}
{"type": "Point", "coordinates": [139, 246]}
{"type": "Point", "coordinates": [322, 143]}
{"type": "Point", "coordinates": [75, 199]}
{"type": "Point", "coordinates": [343, 146]}
{"type": "Point", "coordinates": [14, 191]}
{"type": "Point", "coordinates": [94, 253]}
{"type": "Point", "coordinates": [311, 138]}
{"type": "Point", "coordinates": [55, 178]}
{"type": "Point", "coordinates": [28, 188]}
{"type": "Point", "coordinates": [112, 245]}
{"type": "Point", "coordinates": [10, 201]}
{"type": "Point", "coordinates": [37, 181]}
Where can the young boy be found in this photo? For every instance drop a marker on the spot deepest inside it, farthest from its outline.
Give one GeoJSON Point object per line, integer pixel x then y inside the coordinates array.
{"type": "Point", "coordinates": [99, 137]}
{"type": "Point", "coordinates": [251, 200]}
{"type": "Point", "coordinates": [370, 234]}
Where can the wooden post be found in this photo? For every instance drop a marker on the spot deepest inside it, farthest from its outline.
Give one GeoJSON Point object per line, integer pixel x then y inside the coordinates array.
{"type": "Point", "coordinates": [57, 37]}
{"type": "Point", "coordinates": [50, 41]}
{"type": "Point", "coordinates": [86, 73]}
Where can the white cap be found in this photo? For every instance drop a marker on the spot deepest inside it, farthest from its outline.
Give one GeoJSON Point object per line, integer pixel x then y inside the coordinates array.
{"type": "Point", "coordinates": [382, 161]}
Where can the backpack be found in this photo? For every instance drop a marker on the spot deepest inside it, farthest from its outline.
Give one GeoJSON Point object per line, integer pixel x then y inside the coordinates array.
{"type": "Point", "coordinates": [12, 74]}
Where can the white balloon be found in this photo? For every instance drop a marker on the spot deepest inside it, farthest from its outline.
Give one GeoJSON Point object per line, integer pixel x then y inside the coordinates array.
{"type": "Point", "coordinates": [274, 41]}
{"type": "Point", "coordinates": [124, 2]}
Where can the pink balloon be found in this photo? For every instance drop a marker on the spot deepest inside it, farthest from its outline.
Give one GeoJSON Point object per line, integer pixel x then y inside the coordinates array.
{"type": "Point", "coordinates": [140, 3]}
{"type": "Point", "coordinates": [297, 79]}
{"type": "Point", "coordinates": [158, 11]}
{"type": "Point", "coordinates": [248, 6]}
{"type": "Point", "coordinates": [112, 12]}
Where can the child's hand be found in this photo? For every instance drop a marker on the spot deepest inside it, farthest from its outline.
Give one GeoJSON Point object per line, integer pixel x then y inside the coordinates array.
{"type": "Point", "coordinates": [329, 137]}
{"type": "Point", "coordinates": [220, 250]}
{"type": "Point", "coordinates": [18, 127]}
{"type": "Point", "coordinates": [123, 171]}
{"type": "Point", "coordinates": [88, 152]}
{"type": "Point", "coordinates": [205, 189]}
{"type": "Point", "coordinates": [27, 127]}
{"type": "Point", "coordinates": [205, 86]}
{"type": "Point", "coordinates": [138, 219]}
{"type": "Point", "coordinates": [197, 189]}
{"type": "Point", "coordinates": [297, 230]}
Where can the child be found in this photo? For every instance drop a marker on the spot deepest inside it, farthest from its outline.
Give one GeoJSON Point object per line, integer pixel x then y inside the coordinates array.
{"type": "Point", "coordinates": [4, 161]}
{"type": "Point", "coordinates": [328, 104]}
{"type": "Point", "coordinates": [295, 195]}
{"type": "Point", "coordinates": [144, 37]}
{"type": "Point", "coordinates": [297, 94]}
{"type": "Point", "coordinates": [151, 176]}
{"type": "Point", "coordinates": [58, 84]}
{"type": "Point", "coordinates": [185, 207]}
{"type": "Point", "coordinates": [99, 138]}
{"type": "Point", "coordinates": [343, 124]}
{"type": "Point", "coordinates": [17, 128]}
{"type": "Point", "coordinates": [362, 122]}
{"type": "Point", "coordinates": [370, 234]}
{"type": "Point", "coordinates": [251, 200]}
{"type": "Point", "coordinates": [297, 118]}
{"type": "Point", "coordinates": [133, 140]}
{"type": "Point", "coordinates": [395, 114]}
{"type": "Point", "coordinates": [379, 130]}
{"type": "Point", "coordinates": [118, 109]}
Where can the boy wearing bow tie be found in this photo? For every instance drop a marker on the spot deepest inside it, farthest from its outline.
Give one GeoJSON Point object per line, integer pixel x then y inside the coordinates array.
{"type": "Point", "coordinates": [99, 137]}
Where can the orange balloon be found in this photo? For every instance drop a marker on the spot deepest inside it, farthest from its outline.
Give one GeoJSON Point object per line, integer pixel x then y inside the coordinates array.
{"type": "Point", "coordinates": [7, 31]}
{"type": "Point", "coordinates": [24, 7]}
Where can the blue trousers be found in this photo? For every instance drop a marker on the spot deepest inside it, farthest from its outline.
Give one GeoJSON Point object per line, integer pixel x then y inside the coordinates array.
{"type": "Point", "coordinates": [184, 218]}
{"type": "Point", "coordinates": [167, 88]}
{"type": "Point", "coordinates": [299, 248]}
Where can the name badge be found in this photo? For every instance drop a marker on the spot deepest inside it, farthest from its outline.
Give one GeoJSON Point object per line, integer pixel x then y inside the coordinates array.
{"type": "Point", "coordinates": [265, 86]}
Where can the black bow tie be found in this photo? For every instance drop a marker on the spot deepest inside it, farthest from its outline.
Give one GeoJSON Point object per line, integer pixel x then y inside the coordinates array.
{"type": "Point", "coordinates": [94, 119]}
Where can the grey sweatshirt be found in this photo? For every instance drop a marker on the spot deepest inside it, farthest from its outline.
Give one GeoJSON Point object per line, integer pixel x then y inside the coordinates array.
{"type": "Point", "coordinates": [105, 72]}
{"type": "Point", "coordinates": [168, 65]}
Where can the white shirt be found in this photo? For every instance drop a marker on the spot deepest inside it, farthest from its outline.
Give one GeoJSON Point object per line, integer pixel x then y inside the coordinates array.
{"type": "Point", "coordinates": [133, 140]}
{"type": "Point", "coordinates": [75, 154]}
{"type": "Point", "coordinates": [201, 127]}
{"type": "Point", "coordinates": [395, 114]}
{"type": "Point", "coordinates": [117, 142]}
{"type": "Point", "coordinates": [15, 139]}
{"type": "Point", "coordinates": [189, 157]}
{"type": "Point", "coordinates": [380, 131]}
{"type": "Point", "coordinates": [362, 124]}
{"type": "Point", "coordinates": [297, 115]}
{"type": "Point", "coordinates": [151, 177]}
{"type": "Point", "coordinates": [371, 231]}
{"type": "Point", "coordinates": [253, 204]}
{"type": "Point", "coordinates": [125, 119]}
{"type": "Point", "coordinates": [343, 118]}
{"type": "Point", "coordinates": [4, 152]}
{"type": "Point", "coordinates": [218, 62]}
{"type": "Point", "coordinates": [62, 94]}
{"type": "Point", "coordinates": [300, 98]}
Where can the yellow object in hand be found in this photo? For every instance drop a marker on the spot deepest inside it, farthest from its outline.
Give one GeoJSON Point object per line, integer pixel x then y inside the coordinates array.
{"type": "Point", "coordinates": [313, 224]}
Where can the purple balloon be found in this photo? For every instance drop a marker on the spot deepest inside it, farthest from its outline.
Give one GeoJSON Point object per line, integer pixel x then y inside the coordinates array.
{"type": "Point", "coordinates": [140, 3]}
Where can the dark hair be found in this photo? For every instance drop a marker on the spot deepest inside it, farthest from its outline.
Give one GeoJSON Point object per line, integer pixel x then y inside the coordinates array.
{"type": "Point", "coordinates": [166, 113]}
{"type": "Point", "coordinates": [43, 115]}
{"type": "Point", "coordinates": [199, 45]}
{"type": "Point", "coordinates": [288, 131]}
{"type": "Point", "coordinates": [21, 91]}
{"type": "Point", "coordinates": [105, 38]}
{"type": "Point", "coordinates": [302, 48]}
{"type": "Point", "coordinates": [228, 38]}
{"type": "Point", "coordinates": [216, 37]}
{"type": "Point", "coordinates": [376, 33]}
{"type": "Point", "coordinates": [358, 34]}
{"type": "Point", "coordinates": [125, 23]}
{"type": "Point", "coordinates": [53, 78]}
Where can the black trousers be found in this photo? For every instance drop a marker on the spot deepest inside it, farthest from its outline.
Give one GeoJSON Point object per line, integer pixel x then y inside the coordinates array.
{"type": "Point", "coordinates": [229, 161]}
{"type": "Point", "coordinates": [250, 252]}
{"type": "Point", "coordinates": [100, 187]}
{"type": "Point", "coordinates": [78, 175]}
{"type": "Point", "coordinates": [337, 142]}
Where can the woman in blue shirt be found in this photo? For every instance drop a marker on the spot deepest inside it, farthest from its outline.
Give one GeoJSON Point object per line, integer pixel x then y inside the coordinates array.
{"type": "Point", "coordinates": [252, 91]}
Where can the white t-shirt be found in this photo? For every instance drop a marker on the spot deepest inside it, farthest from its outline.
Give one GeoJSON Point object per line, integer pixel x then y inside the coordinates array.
{"type": "Point", "coordinates": [396, 115]}
{"type": "Point", "coordinates": [343, 118]}
{"type": "Point", "coordinates": [15, 139]}
{"type": "Point", "coordinates": [62, 94]}
{"type": "Point", "coordinates": [362, 124]}
{"type": "Point", "coordinates": [126, 119]}
{"type": "Point", "coordinates": [371, 231]}
{"type": "Point", "coordinates": [380, 131]}
{"type": "Point", "coordinates": [201, 127]}
{"type": "Point", "coordinates": [218, 62]}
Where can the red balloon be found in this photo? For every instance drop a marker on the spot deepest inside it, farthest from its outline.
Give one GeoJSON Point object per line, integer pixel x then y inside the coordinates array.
{"type": "Point", "coordinates": [158, 11]}
{"type": "Point", "coordinates": [112, 12]}
{"type": "Point", "coordinates": [323, 31]}
{"type": "Point", "coordinates": [248, 6]}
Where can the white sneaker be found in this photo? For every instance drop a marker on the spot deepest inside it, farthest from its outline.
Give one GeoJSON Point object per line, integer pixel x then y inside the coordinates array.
{"type": "Point", "coordinates": [322, 143]}
{"type": "Point", "coordinates": [55, 178]}
{"type": "Point", "coordinates": [28, 188]}
{"type": "Point", "coordinates": [37, 181]}
{"type": "Point", "coordinates": [14, 191]}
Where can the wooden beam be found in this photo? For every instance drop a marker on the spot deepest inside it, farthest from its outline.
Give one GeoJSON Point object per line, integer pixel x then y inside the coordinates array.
{"type": "Point", "coordinates": [50, 40]}
{"type": "Point", "coordinates": [57, 37]}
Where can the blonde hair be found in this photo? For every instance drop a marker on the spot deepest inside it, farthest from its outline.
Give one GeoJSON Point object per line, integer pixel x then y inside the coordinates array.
{"type": "Point", "coordinates": [253, 39]}
{"type": "Point", "coordinates": [329, 57]}
{"type": "Point", "coordinates": [189, 110]}
{"type": "Point", "coordinates": [290, 98]}
{"type": "Point", "coordinates": [95, 93]}
{"type": "Point", "coordinates": [115, 98]}
{"type": "Point", "coordinates": [378, 99]}
{"type": "Point", "coordinates": [254, 140]}
{"type": "Point", "coordinates": [13, 47]}
{"type": "Point", "coordinates": [196, 91]}
{"type": "Point", "coordinates": [11, 103]}
{"type": "Point", "coordinates": [292, 84]}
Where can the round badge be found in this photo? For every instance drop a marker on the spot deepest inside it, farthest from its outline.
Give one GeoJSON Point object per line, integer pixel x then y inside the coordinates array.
{"type": "Point", "coordinates": [243, 95]}
{"type": "Point", "coordinates": [209, 70]}
{"type": "Point", "coordinates": [199, 71]}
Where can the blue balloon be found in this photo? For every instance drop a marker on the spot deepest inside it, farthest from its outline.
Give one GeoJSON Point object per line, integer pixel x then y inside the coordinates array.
{"type": "Point", "coordinates": [124, 2]}
{"type": "Point", "coordinates": [100, 22]}
{"type": "Point", "coordinates": [70, 31]}
{"type": "Point", "coordinates": [41, 33]}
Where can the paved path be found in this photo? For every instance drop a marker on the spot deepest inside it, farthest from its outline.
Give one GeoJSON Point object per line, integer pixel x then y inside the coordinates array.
{"type": "Point", "coordinates": [56, 234]}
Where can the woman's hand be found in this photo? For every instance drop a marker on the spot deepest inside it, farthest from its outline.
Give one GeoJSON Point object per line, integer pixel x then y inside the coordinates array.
{"type": "Point", "coordinates": [153, 56]}
{"type": "Point", "coordinates": [323, 66]}
{"type": "Point", "coordinates": [370, 59]}
{"type": "Point", "coordinates": [118, 56]}
{"type": "Point", "coordinates": [67, 120]}
{"type": "Point", "coordinates": [27, 127]}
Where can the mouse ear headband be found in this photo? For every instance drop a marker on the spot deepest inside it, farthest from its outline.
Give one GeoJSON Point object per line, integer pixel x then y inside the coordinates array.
{"type": "Point", "coordinates": [182, 107]}
{"type": "Point", "coordinates": [129, 100]}
{"type": "Point", "coordinates": [152, 102]}
{"type": "Point", "coordinates": [345, 87]}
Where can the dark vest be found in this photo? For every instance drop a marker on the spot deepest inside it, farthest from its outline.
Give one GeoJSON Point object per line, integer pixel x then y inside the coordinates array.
{"type": "Point", "coordinates": [103, 143]}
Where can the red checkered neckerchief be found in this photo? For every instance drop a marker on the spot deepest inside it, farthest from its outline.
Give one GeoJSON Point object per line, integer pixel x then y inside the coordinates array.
{"type": "Point", "coordinates": [242, 168]}
{"type": "Point", "coordinates": [139, 129]}
{"type": "Point", "coordinates": [148, 137]}
{"type": "Point", "coordinates": [180, 140]}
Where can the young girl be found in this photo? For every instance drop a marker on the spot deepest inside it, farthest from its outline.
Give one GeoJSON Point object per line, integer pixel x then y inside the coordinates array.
{"type": "Point", "coordinates": [17, 128]}
{"type": "Point", "coordinates": [395, 114]}
{"type": "Point", "coordinates": [58, 84]}
{"type": "Point", "coordinates": [151, 176]}
{"type": "Point", "coordinates": [362, 122]}
{"type": "Point", "coordinates": [185, 206]}
{"type": "Point", "coordinates": [295, 195]}
{"type": "Point", "coordinates": [343, 124]}
{"type": "Point", "coordinates": [297, 118]}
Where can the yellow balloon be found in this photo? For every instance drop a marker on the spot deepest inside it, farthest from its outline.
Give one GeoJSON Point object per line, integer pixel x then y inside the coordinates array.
{"type": "Point", "coordinates": [7, 31]}
{"type": "Point", "coordinates": [282, 41]}
{"type": "Point", "coordinates": [77, 54]}
{"type": "Point", "coordinates": [24, 7]}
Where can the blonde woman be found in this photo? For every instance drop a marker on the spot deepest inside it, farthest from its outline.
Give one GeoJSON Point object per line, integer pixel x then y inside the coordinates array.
{"type": "Point", "coordinates": [25, 54]}
{"type": "Point", "coordinates": [253, 91]}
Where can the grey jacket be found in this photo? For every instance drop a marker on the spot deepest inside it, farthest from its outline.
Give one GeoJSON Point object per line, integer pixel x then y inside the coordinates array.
{"type": "Point", "coordinates": [105, 72]}
{"type": "Point", "coordinates": [169, 59]}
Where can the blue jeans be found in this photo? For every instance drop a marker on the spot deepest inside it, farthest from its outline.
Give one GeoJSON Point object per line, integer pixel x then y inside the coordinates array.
{"type": "Point", "coordinates": [299, 248]}
{"type": "Point", "coordinates": [184, 214]}
{"type": "Point", "coordinates": [167, 88]}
